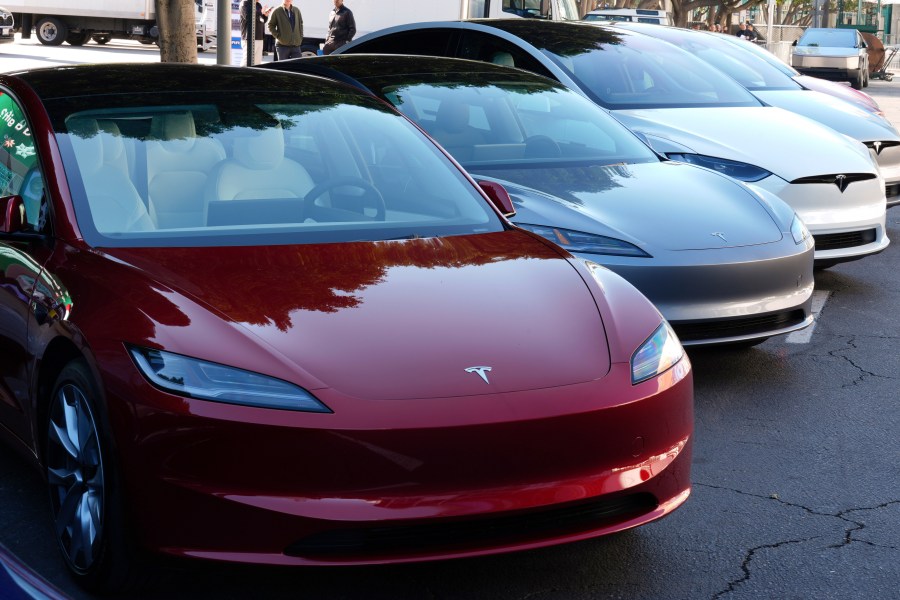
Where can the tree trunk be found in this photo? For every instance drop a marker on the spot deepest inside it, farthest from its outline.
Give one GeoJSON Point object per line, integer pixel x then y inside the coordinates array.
{"type": "Point", "coordinates": [177, 31]}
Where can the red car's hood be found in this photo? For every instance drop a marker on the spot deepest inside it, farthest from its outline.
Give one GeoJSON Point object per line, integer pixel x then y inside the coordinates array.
{"type": "Point", "coordinates": [399, 319]}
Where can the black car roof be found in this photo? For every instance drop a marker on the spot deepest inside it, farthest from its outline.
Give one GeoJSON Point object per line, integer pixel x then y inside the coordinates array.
{"type": "Point", "coordinates": [144, 78]}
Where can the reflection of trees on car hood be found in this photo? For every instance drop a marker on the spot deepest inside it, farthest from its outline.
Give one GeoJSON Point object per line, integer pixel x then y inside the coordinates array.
{"type": "Point", "coordinates": [565, 183]}
{"type": "Point", "coordinates": [264, 285]}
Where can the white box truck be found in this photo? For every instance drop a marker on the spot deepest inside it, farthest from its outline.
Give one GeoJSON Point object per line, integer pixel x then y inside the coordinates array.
{"type": "Point", "coordinates": [58, 21]}
{"type": "Point", "coordinates": [372, 15]}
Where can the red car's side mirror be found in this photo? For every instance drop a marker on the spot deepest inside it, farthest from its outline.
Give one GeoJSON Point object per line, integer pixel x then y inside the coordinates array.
{"type": "Point", "coordinates": [12, 214]}
{"type": "Point", "coordinates": [499, 197]}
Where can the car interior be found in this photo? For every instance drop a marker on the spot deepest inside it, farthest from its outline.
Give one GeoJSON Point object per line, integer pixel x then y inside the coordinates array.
{"type": "Point", "coordinates": [206, 167]}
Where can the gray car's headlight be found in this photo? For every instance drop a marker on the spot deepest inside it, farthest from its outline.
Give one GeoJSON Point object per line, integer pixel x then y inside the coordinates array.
{"type": "Point", "coordinates": [205, 380]}
{"type": "Point", "coordinates": [658, 354]}
{"type": "Point", "coordinates": [732, 168]}
{"type": "Point", "coordinates": [579, 241]}
{"type": "Point", "coordinates": [799, 230]}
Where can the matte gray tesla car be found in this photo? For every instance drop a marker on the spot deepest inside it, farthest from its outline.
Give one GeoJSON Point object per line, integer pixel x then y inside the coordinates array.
{"type": "Point", "coordinates": [839, 54]}
{"type": "Point", "coordinates": [722, 262]}
{"type": "Point", "coordinates": [741, 61]}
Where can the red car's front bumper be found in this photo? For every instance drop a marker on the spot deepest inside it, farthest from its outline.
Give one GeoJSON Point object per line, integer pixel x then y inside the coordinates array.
{"type": "Point", "coordinates": [451, 477]}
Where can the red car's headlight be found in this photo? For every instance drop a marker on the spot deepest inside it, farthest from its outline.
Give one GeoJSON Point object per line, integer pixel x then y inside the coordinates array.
{"type": "Point", "coordinates": [658, 354]}
{"type": "Point", "coordinates": [205, 380]}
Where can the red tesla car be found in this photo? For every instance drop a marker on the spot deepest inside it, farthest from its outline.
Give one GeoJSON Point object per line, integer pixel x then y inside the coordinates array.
{"type": "Point", "coordinates": [257, 317]}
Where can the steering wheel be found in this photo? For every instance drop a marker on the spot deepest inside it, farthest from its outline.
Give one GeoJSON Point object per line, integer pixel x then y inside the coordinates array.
{"type": "Point", "coordinates": [370, 194]}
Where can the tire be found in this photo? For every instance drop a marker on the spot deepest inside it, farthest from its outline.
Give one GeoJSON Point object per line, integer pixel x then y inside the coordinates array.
{"type": "Point", "coordinates": [78, 39]}
{"type": "Point", "coordinates": [87, 509]}
{"type": "Point", "coordinates": [51, 31]}
{"type": "Point", "coordinates": [102, 39]}
{"type": "Point", "coordinates": [866, 77]}
{"type": "Point", "coordinates": [856, 82]}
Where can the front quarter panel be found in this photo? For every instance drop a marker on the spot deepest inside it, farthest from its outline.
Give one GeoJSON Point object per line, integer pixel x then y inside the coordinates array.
{"type": "Point", "coordinates": [629, 318]}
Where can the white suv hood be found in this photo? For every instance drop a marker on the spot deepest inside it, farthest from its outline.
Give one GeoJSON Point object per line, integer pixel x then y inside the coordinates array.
{"type": "Point", "coordinates": [784, 143]}
{"type": "Point", "coordinates": [829, 110]}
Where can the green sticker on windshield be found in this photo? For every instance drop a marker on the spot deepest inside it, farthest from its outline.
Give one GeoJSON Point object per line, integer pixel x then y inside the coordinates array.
{"type": "Point", "coordinates": [16, 143]}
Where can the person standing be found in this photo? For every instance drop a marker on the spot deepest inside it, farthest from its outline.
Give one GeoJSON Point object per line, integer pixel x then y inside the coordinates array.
{"type": "Point", "coordinates": [286, 26]}
{"type": "Point", "coordinates": [746, 31]}
{"type": "Point", "coordinates": [262, 15]}
{"type": "Point", "coordinates": [750, 34]}
{"type": "Point", "coordinates": [341, 27]}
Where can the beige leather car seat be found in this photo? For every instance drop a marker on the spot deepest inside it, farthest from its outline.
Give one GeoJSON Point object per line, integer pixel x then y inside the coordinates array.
{"type": "Point", "coordinates": [178, 167]}
{"type": "Point", "coordinates": [259, 170]}
{"type": "Point", "coordinates": [116, 206]}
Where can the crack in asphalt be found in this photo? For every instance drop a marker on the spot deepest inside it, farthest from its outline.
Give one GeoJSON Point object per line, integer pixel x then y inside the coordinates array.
{"type": "Point", "coordinates": [848, 535]}
{"type": "Point", "coordinates": [863, 373]}
{"type": "Point", "coordinates": [745, 565]}
{"type": "Point", "coordinates": [855, 526]}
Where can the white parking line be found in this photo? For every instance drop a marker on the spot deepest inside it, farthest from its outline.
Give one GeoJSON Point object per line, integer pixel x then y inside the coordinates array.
{"type": "Point", "coordinates": [819, 298]}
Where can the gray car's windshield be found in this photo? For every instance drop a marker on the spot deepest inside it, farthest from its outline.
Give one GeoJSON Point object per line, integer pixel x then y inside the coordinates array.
{"type": "Point", "coordinates": [214, 169]}
{"type": "Point", "coordinates": [516, 123]}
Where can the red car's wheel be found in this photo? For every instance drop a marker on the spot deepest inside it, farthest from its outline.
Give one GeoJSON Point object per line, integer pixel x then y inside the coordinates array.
{"type": "Point", "coordinates": [83, 487]}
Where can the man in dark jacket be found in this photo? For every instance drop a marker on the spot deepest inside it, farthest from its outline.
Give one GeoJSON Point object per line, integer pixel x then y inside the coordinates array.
{"type": "Point", "coordinates": [286, 26]}
{"type": "Point", "coordinates": [260, 30]}
{"type": "Point", "coordinates": [746, 32]}
{"type": "Point", "coordinates": [341, 27]}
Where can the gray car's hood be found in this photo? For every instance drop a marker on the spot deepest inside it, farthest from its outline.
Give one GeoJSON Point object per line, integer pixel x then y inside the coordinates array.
{"type": "Point", "coordinates": [655, 206]}
{"type": "Point", "coordinates": [784, 143]}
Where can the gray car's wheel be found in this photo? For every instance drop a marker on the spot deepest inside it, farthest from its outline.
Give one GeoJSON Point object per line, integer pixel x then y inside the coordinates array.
{"type": "Point", "coordinates": [856, 81]}
{"type": "Point", "coordinates": [85, 502]}
{"type": "Point", "coordinates": [51, 31]}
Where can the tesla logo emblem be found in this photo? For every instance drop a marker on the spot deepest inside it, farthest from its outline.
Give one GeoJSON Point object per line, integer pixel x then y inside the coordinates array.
{"type": "Point", "coordinates": [841, 182]}
{"type": "Point", "coordinates": [481, 371]}
{"type": "Point", "coordinates": [719, 235]}
{"type": "Point", "coordinates": [877, 147]}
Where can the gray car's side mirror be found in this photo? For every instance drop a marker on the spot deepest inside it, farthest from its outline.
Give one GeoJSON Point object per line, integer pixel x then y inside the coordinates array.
{"type": "Point", "coordinates": [499, 197]}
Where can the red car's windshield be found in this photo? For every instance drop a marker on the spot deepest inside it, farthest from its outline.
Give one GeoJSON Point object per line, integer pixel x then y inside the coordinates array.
{"type": "Point", "coordinates": [213, 169]}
